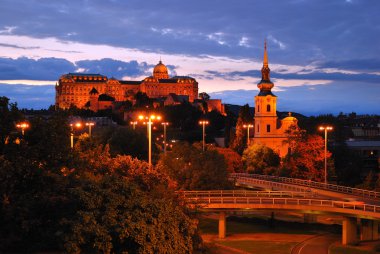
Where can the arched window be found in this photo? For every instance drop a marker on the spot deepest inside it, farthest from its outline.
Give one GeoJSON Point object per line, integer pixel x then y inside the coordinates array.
{"type": "Point", "coordinates": [258, 128]}
{"type": "Point", "coordinates": [268, 108]}
{"type": "Point", "coordinates": [268, 127]}
{"type": "Point", "coordinates": [258, 108]}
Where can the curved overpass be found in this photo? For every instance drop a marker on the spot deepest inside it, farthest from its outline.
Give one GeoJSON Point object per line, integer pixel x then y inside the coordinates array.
{"type": "Point", "coordinates": [225, 201]}
{"type": "Point", "coordinates": [244, 178]}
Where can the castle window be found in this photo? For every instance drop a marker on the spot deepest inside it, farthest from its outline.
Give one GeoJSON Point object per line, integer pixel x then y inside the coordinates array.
{"type": "Point", "coordinates": [268, 108]}
{"type": "Point", "coordinates": [258, 108]}
{"type": "Point", "coordinates": [258, 128]}
{"type": "Point", "coordinates": [268, 127]}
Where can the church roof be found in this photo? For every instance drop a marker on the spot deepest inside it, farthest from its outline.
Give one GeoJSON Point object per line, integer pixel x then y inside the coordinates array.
{"type": "Point", "coordinates": [94, 91]}
{"type": "Point", "coordinates": [266, 92]}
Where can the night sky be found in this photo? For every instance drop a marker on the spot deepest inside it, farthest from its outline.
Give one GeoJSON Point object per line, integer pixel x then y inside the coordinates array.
{"type": "Point", "coordinates": [324, 54]}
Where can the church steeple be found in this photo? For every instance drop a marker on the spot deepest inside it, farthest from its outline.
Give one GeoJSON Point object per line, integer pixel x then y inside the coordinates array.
{"type": "Point", "coordinates": [265, 84]}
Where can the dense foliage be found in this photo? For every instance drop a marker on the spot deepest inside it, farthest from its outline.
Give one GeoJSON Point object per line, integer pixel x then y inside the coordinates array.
{"type": "Point", "coordinates": [259, 159]}
{"type": "Point", "coordinates": [85, 200]}
{"type": "Point", "coordinates": [194, 169]}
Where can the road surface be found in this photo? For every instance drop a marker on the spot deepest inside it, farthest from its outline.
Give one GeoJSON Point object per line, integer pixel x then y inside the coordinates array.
{"type": "Point", "coordinates": [316, 245]}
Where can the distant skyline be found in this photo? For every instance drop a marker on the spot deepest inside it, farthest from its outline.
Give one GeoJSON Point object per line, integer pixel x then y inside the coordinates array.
{"type": "Point", "coordinates": [323, 54]}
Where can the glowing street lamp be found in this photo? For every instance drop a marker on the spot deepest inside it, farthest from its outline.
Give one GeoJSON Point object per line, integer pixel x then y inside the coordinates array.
{"type": "Point", "coordinates": [22, 126]}
{"type": "Point", "coordinates": [75, 125]}
{"type": "Point", "coordinates": [149, 123]}
{"type": "Point", "coordinates": [165, 124]}
{"type": "Point", "coordinates": [133, 123]}
{"type": "Point", "coordinates": [89, 124]}
{"type": "Point", "coordinates": [247, 126]}
{"type": "Point", "coordinates": [326, 129]}
{"type": "Point", "coordinates": [203, 123]}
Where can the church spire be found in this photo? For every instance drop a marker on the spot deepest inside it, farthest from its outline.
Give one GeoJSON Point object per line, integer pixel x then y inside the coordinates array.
{"type": "Point", "coordinates": [265, 61]}
{"type": "Point", "coordinates": [265, 84]}
{"type": "Point", "coordinates": [265, 70]}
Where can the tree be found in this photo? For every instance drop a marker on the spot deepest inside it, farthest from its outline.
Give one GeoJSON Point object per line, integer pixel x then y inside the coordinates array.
{"type": "Point", "coordinates": [9, 115]}
{"type": "Point", "coordinates": [306, 157]}
{"type": "Point", "coordinates": [129, 142]}
{"type": "Point", "coordinates": [204, 96]}
{"type": "Point", "coordinates": [118, 216]}
{"type": "Point", "coordinates": [260, 159]}
{"type": "Point", "coordinates": [232, 159]}
{"type": "Point", "coordinates": [194, 169]}
{"type": "Point", "coordinates": [239, 141]}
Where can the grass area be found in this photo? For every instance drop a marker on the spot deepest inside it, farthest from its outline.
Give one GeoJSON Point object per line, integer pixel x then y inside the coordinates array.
{"type": "Point", "coordinates": [350, 250]}
{"type": "Point", "coordinates": [259, 247]}
{"type": "Point", "coordinates": [245, 225]}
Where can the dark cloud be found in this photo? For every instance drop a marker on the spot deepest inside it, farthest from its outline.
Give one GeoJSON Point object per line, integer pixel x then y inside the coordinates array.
{"type": "Point", "coordinates": [297, 31]}
{"type": "Point", "coordinates": [370, 64]}
{"type": "Point", "coordinates": [53, 68]}
{"type": "Point", "coordinates": [115, 68]}
{"type": "Point", "coordinates": [16, 46]}
{"type": "Point", "coordinates": [317, 99]}
{"type": "Point", "coordinates": [36, 97]}
{"type": "Point", "coordinates": [41, 69]}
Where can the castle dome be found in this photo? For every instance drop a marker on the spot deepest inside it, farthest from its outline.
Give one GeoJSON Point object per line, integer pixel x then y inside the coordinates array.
{"type": "Point", "coordinates": [160, 71]}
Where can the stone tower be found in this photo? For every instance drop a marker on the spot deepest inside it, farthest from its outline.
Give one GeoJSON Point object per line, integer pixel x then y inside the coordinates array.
{"type": "Point", "coordinates": [270, 131]}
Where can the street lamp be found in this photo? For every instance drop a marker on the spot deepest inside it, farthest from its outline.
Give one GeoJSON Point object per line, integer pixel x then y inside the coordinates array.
{"type": "Point", "coordinates": [165, 124]}
{"type": "Point", "coordinates": [72, 125]}
{"type": "Point", "coordinates": [22, 126]}
{"type": "Point", "coordinates": [149, 123]}
{"type": "Point", "coordinates": [326, 129]}
{"type": "Point", "coordinates": [89, 124]}
{"type": "Point", "coordinates": [133, 123]}
{"type": "Point", "coordinates": [203, 123]}
{"type": "Point", "coordinates": [247, 126]}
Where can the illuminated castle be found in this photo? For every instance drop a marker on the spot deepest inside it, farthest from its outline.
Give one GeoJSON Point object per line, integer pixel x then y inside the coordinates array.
{"type": "Point", "coordinates": [95, 91]}
{"type": "Point", "coordinates": [269, 130]}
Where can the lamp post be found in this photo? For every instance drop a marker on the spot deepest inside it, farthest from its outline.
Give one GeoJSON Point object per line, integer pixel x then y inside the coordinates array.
{"type": "Point", "coordinates": [76, 125]}
{"type": "Point", "coordinates": [203, 123]}
{"type": "Point", "coordinates": [165, 124]}
{"type": "Point", "coordinates": [247, 126]}
{"type": "Point", "coordinates": [133, 123]}
{"type": "Point", "coordinates": [89, 124]}
{"type": "Point", "coordinates": [326, 129]}
{"type": "Point", "coordinates": [149, 123]}
{"type": "Point", "coordinates": [22, 126]}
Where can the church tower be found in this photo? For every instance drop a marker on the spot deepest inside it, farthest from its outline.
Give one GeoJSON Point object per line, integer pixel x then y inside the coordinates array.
{"type": "Point", "coordinates": [269, 131]}
{"type": "Point", "coordinates": [265, 103]}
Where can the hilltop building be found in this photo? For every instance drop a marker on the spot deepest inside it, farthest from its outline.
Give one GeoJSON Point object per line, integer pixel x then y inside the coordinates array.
{"type": "Point", "coordinates": [96, 92]}
{"type": "Point", "coordinates": [269, 130]}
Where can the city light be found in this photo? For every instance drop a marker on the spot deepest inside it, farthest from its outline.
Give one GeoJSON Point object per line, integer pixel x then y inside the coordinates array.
{"type": "Point", "coordinates": [165, 124]}
{"type": "Point", "coordinates": [326, 129]}
{"type": "Point", "coordinates": [247, 126]}
{"type": "Point", "coordinates": [203, 123]}
{"type": "Point", "coordinates": [150, 119]}
{"type": "Point", "coordinates": [73, 125]}
{"type": "Point", "coordinates": [22, 126]}
{"type": "Point", "coordinates": [89, 124]}
{"type": "Point", "coordinates": [133, 123]}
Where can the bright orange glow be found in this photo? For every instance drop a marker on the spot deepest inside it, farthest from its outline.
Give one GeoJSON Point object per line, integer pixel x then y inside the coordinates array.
{"type": "Point", "coordinates": [328, 128]}
{"type": "Point", "coordinates": [22, 125]}
{"type": "Point", "coordinates": [247, 126]}
{"type": "Point", "coordinates": [158, 118]}
{"type": "Point", "coordinates": [90, 124]}
{"type": "Point", "coordinates": [141, 117]}
{"type": "Point", "coordinates": [203, 122]}
{"type": "Point", "coordinates": [165, 123]}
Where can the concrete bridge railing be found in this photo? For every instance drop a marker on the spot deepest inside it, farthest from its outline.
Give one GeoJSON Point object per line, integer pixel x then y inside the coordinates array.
{"type": "Point", "coordinates": [312, 184]}
{"type": "Point", "coordinates": [227, 201]}
{"type": "Point", "coordinates": [224, 201]}
{"type": "Point", "coordinates": [245, 193]}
